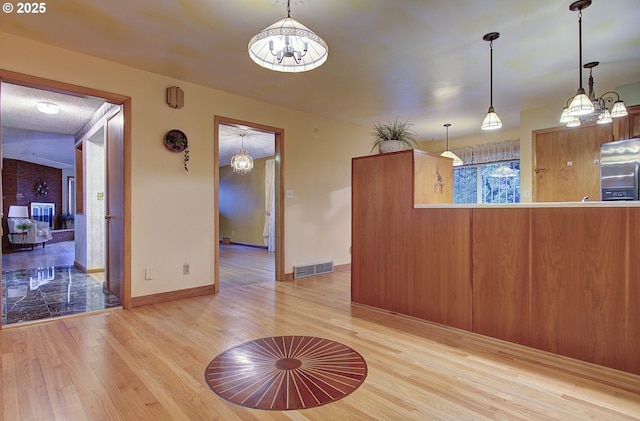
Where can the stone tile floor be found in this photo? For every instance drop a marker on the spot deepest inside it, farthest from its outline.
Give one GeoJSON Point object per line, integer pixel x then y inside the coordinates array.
{"type": "Point", "coordinates": [53, 291]}
{"type": "Point", "coordinates": [43, 283]}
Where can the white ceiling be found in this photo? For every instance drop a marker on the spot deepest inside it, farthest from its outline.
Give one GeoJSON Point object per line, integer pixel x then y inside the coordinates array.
{"type": "Point", "coordinates": [259, 144]}
{"type": "Point", "coordinates": [31, 136]}
{"type": "Point", "coordinates": [422, 60]}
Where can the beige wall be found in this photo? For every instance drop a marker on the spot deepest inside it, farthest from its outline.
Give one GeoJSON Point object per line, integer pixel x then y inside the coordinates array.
{"type": "Point", "coordinates": [530, 120]}
{"type": "Point", "coordinates": [242, 204]}
{"type": "Point", "coordinates": [172, 211]}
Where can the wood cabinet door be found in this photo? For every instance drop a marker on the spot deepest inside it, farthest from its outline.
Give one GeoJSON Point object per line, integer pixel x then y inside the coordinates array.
{"type": "Point", "coordinates": [567, 162]}
{"type": "Point", "coordinates": [628, 127]}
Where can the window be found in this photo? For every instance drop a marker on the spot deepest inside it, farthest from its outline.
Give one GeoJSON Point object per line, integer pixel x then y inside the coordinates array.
{"type": "Point", "coordinates": [496, 182]}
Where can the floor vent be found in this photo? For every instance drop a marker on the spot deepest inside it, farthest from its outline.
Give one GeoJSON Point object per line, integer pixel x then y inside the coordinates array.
{"type": "Point", "coordinates": [310, 270]}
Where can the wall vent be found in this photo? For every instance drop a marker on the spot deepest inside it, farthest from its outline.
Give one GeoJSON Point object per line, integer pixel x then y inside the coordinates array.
{"type": "Point", "coordinates": [310, 270]}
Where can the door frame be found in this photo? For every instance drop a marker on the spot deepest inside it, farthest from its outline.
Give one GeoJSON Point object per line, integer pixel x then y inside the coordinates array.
{"type": "Point", "coordinates": [125, 102]}
{"type": "Point", "coordinates": [279, 193]}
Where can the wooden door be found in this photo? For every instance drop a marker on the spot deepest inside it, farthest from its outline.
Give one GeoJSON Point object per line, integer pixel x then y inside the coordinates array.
{"type": "Point", "coordinates": [567, 162]}
{"type": "Point", "coordinates": [114, 271]}
{"type": "Point", "coordinates": [628, 127]}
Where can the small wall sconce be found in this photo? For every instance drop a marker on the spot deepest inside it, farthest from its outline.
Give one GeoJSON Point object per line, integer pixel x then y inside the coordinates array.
{"type": "Point", "coordinates": [175, 97]}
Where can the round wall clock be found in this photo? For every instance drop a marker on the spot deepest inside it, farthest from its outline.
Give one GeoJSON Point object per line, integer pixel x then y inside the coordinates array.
{"type": "Point", "coordinates": [175, 141]}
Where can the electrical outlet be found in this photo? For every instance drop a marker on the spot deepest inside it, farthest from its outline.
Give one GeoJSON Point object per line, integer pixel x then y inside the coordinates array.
{"type": "Point", "coordinates": [148, 274]}
{"type": "Point", "coordinates": [185, 269]}
{"type": "Point", "coordinates": [233, 233]}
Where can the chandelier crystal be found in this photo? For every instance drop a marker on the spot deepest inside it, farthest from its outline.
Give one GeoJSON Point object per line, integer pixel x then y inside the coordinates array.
{"type": "Point", "coordinates": [242, 162]}
{"type": "Point", "coordinates": [288, 46]}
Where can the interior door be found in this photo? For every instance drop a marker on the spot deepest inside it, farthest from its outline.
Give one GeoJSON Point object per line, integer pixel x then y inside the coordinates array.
{"type": "Point", "coordinates": [114, 270]}
{"type": "Point", "coordinates": [567, 163]}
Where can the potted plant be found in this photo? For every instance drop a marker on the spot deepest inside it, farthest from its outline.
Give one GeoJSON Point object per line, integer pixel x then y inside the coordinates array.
{"type": "Point", "coordinates": [23, 226]}
{"type": "Point", "coordinates": [393, 136]}
{"type": "Point", "coordinates": [66, 220]}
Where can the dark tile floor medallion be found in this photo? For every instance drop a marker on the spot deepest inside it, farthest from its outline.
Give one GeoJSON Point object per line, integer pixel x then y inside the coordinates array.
{"type": "Point", "coordinates": [286, 372]}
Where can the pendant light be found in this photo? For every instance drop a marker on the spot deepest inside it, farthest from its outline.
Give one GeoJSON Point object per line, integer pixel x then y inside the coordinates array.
{"type": "Point", "coordinates": [491, 121]}
{"type": "Point", "coordinates": [581, 104]}
{"type": "Point", "coordinates": [242, 162]}
{"type": "Point", "coordinates": [288, 46]}
{"type": "Point", "coordinates": [448, 154]}
{"type": "Point", "coordinates": [601, 113]}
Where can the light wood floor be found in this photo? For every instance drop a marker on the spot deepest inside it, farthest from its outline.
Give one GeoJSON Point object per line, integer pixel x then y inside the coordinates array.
{"type": "Point", "coordinates": [148, 363]}
{"type": "Point", "coordinates": [242, 265]}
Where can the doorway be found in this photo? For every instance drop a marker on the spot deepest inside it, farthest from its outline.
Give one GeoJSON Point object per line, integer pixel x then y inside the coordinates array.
{"type": "Point", "coordinates": [273, 237]}
{"type": "Point", "coordinates": [74, 190]}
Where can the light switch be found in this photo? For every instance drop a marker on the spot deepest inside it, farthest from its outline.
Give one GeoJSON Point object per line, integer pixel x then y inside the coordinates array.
{"type": "Point", "coordinates": [289, 194]}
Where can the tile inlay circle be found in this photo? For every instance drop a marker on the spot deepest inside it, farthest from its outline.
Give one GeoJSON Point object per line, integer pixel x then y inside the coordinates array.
{"type": "Point", "coordinates": [286, 372]}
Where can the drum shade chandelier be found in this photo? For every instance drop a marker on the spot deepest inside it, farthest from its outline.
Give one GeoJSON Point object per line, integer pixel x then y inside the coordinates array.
{"type": "Point", "coordinates": [242, 162]}
{"type": "Point", "coordinates": [288, 46]}
{"type": "Point", "coordinates": [583, 107]}
{"type": "Point", "coordinates": [448, 154]}
{"type": "Point", "coordinates": [491, 121]}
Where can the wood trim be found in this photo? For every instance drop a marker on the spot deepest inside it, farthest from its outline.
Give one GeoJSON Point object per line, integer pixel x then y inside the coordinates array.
{"type": "Point", "coordinates": [164, 297]}
{"type": "Point", "coordinates": [279, 184]}
{"type": "Point", "coordinates": [342, 268]}
{"type": "Point", "coordinates": [126, 282]}
{"type": "Point", "coordinates": [58, 86]}
{"type": "Point", "coordinates": [114, 98]}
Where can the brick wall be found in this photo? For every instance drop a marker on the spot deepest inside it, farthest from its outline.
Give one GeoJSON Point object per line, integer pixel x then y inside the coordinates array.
{"type": "Point", "coordinates": [18, 183]}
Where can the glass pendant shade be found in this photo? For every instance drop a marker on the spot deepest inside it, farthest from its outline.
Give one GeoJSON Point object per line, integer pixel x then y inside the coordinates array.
{"type": "Point", "coordinates": [581, 104]}
{"type": "Point", "coordinates": [288, 46]}
{"type": "Point", "coordinates": [618, 110]}
{"type": "Point", "coordinates": [456, 160]}
{"type": "Point", "coordinates": [448, 154]}
{"type": "Point", "coordinates": [604, 117]}
{"type": "Point", "coordinates": [242, 162]}
{"type": "Point", "coordinates": [565, 117]}
{"type": "Point", "coordinates": [575, 122]}
{"type": "Point", "coordinates": [491, 121]}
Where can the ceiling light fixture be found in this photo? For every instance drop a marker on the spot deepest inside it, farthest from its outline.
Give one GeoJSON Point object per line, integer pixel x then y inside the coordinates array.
{"type": "Point", "coordinates": [491, 121]}
{"type": "Point", "coordinates": [47, 107]}
{"type": "Point", "coordinates": [288, 46]}
{"type": "Point", "coordinates": [600, 113]}
{"type": "Point", "coordinates": [580, 104]}
{"type": "Point", "coordinates": [242, 162]}
{"type": "Point", "coordinates": [448, 154]}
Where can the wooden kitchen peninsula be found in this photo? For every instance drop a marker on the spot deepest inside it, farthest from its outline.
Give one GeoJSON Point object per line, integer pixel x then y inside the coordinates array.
{"type": "Point", "coordinates": [561, 277]}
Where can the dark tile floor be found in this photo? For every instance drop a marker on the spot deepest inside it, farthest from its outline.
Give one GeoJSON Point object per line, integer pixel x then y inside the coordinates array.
{"type": "Point", "coordinates": [52, 290]}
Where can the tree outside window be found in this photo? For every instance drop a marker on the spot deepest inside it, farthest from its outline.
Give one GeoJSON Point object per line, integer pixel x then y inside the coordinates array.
{"type": "Point", "coordinates": [497, 182]}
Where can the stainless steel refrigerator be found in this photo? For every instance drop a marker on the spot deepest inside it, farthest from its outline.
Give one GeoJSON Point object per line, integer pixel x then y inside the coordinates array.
{"type": "Point", "coordinates": [619, 163]}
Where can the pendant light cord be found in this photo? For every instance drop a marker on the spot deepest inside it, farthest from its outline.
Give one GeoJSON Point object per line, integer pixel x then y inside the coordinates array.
{"type": "Point", "coordinates": [580, 42]}
{"type": "Point", "coordinates": [288, 8]}
{"type": "Point", "coordinates": [490, 75]}
{"type": "Point", "coordinates": [447, 126]}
